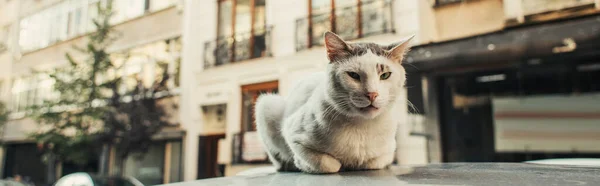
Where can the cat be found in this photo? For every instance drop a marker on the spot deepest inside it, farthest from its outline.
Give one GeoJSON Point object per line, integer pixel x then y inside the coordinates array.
{"type": "Point", "coordinates": [340, 119]}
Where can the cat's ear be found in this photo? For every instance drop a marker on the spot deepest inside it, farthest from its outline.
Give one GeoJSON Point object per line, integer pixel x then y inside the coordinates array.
{"type": "Point", "coordinates": [337, 48]}
{"type": "Point", "coordinates": [396, 52]}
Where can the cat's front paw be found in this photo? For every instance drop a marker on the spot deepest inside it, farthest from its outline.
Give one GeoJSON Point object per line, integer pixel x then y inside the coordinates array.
{"type": "Point", "coordinates": [375, 166]}
{"type": "Point", "coordinates": [380, 162]}
{"type": "Point", "coordinates": [322, 165]}
{"type": "Point", "coordinates": [330, 164]}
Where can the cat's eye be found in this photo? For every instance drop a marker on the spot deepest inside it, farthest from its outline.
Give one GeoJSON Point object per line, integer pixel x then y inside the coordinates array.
{"type": "Point", "coordinates": [385, 76]}
{"type": "Point", "coordinates": [354, 75]}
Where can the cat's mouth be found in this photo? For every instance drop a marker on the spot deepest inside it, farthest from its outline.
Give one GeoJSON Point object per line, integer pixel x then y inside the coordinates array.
{"type": "Point", "coordinates": [369, 108]}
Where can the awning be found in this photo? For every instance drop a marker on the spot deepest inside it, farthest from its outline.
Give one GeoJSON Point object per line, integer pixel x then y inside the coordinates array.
{"type": "Point", "coordinates": [552, 41]}
{"type": "Point", "coordinates": [169, 134]}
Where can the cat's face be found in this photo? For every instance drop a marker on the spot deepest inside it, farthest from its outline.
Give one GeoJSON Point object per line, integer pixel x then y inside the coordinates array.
{"type": "Point", "coordinates": [366, 78]}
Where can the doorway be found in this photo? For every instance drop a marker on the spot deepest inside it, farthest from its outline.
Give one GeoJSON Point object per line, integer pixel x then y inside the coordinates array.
{"type": "Point", "coordinates": [208, 155]}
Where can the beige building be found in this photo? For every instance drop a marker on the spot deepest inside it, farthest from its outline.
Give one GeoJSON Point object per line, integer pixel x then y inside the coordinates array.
{"type": "Point", "coordinates": [36, 35]}
{"type": "Point", "coordinates": [251, 47]}
{"type": "Point", "coordinates": [254, 47]}
{"type": "Point", "coordinates": [507, 80]}
{"type": "Point", "coordinates": [225, 53]}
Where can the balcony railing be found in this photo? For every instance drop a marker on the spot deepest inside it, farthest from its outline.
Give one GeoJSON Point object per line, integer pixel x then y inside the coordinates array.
{"type": "Point", "coordinates": [540, 6]}
{"type": "Point", "coordinates": [351, 22]}
{"type": "Point", "coordinates": [241, 46]}
{"type": "Point", "coordinates": [517, 11]}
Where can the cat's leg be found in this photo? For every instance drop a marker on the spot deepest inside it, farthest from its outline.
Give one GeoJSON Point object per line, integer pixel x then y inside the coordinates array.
{"type": "Point", "coordinates": [297, 130]}
{"type": "Point", "coordinates": [269, 114]}
{"type": "Point", "coordinates": [379, 162]}
{"type": "Point", "coordinates": [312, 161]}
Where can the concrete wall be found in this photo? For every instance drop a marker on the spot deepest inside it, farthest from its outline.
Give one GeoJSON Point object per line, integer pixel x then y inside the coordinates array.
{"type": "Point", "coordinates": [547, 123]}
{"type": "Point", "coordinates": [199, 25]}
{"type": "Point", "coordinates": [29, 7]}
{"type": "Point", "coordinates": [415, 17]}
{"type": "Point", "coordinates": [8, 19]}
{"type": "Point", "coordinates": [468, 18]}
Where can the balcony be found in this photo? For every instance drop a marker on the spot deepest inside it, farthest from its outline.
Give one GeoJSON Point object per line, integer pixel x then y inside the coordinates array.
{"type": "Point", "coordinates": [350, 22]}
{"type": "Point", "coordinates": [240, 47]}
{"type": "Point", "coordinates": [521, 11]}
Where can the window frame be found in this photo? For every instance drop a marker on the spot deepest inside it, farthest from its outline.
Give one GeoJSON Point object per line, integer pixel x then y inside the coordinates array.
{"type": "Point", "coordinates": [359, 4]}
{"type": "Point", "coordinates": [255, 89]}
{"type": "Point", "coordinates": [253, 29]}
{"type": "Point", "coordinates": [438, 3]}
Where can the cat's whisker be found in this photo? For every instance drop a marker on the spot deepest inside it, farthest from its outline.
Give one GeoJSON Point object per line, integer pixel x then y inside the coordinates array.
{"type": "Point", "coordinates": [412, 106]}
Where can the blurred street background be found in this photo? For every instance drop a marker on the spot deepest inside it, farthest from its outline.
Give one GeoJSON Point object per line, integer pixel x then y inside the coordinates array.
{"type": "Point", "coordinates": [163, 90]}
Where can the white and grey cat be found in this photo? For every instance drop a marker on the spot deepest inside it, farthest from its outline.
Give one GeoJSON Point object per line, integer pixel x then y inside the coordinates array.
{"type": "Point", "coordinates": [342, 119]}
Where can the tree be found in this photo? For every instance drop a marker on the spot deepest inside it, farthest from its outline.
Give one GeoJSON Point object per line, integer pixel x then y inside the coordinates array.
{"type": "Point", "coordinates": [130, 125]}
{"type": "Point", "coordinates": [3, 116]}
{"type": "Point", "coordinates": [70, 122]}
{"type": "Point", "coordinates": [90, 111]}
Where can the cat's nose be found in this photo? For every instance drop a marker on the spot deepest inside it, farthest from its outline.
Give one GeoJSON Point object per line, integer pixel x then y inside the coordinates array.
{"type": "Point", "coordinates": [372, 96]}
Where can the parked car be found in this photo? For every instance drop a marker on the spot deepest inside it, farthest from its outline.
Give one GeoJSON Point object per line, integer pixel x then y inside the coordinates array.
{"type": "Point", "coordinates": [594, 162]}
{"type": "Point", "coordinates": [12, 183]}
{"type": "Point", "coordinates": [87, 179]}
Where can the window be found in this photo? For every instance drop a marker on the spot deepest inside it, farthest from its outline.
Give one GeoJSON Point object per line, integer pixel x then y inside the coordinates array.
{"type": "Point", "coordinates": [92, 13]}
{"type": "Point", "coordinates": [247, 144]}
{"type": "Point", "coordinates": [444, 2]}
{"type": "Point", "coordinates": [150, 168]}
{"type": "Point", "coordinates": [132, 73]}
{"type": "Point", "coordinates": [125, 10]}
{"type": "Point", "coordinates": [149, 63]}
{"type": "Point", "coordinates": [241, 30]}
{"type": "Point", "coordinates": [59, 22]}
{"type": "Point", "coordinates": [31, 91]}
{"type": "Point", "coordinates": [350, 19]}
{"type": "Point", "coordinates": [175, 169]}
{"type": "Point", "coordinates": [72, 18]}
{"type": "Point", "coordinates": [156, 5]}
{"type": "Point", "coordinates": [249, 95]}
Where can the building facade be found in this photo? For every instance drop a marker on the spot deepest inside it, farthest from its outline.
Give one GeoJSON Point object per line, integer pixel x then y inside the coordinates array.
{"type": "Point", "coordinates": [254, 47]}
{"type": "Point", "coordinates": [250, 47]}
{"type": "Point", "coordinates": [225, 53]}
{"type": "Point", "coordinates": [508, 80]}
{"type": "Point", "coordinates": [36, 35]}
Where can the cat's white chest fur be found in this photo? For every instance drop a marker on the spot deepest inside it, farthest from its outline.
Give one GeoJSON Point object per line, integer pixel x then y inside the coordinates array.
{"type": "Point", "coordinates": [359, 142]}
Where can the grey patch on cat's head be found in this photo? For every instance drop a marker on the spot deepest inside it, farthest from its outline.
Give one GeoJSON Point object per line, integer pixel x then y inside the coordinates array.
{"type": "Point", "coordinates": [362, 48]}
{"type": "Point", "coordinates": [340, 50]}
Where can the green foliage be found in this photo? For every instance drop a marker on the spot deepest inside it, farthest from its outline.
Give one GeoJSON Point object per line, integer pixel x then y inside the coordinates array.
{"type": "Point", "coordinates": [70, 123]}
{"type": "Point", "coordinates": [131, 125]}
{"type": "Point", "coordinates": [3, 115]}
{"type": "Point", "coordinates": [92, 110]}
